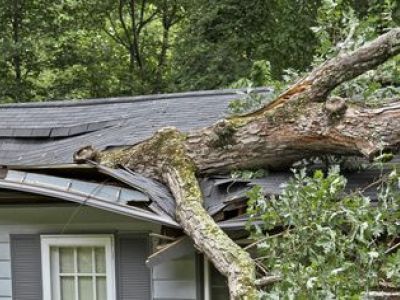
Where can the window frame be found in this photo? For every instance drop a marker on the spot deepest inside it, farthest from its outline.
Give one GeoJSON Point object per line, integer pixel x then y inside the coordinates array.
{"type": "Point", "coordinates": [104, 240]}
{"type": "Point", "coordinates": [207, 279]}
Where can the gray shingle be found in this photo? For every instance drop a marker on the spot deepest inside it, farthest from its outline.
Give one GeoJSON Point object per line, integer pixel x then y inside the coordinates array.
{"type": "Point", "coordinates": [75, 130]}
{"type": "Point", "coordinates": [59, 132]}
{"type": "Point", "coordinates": [101, 122]}
{"type": "Point", "coordinates": [6, 132]}
{"type": "Point", "coordinates": [40, 132]}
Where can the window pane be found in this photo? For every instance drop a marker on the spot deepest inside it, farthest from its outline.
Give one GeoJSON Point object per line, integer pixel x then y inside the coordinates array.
{"type": "Point", "coordinates": [100, 260]}
{"type": "Point", "coordinates": [67, 288]}
{"type": "Point", "coordinates": [85, 260]}
{"type": "Point", "coordinates": [66, 260]}
{"type": "Point", "coordinates": [85, 285]}
{"type": "Point", "coordinates": [101, 289]}
{"type": "Point", "coordinates": [220, 293]}
{"type": "Point", "coordinates": [54, 271]}
{"type": "Point", "coordinates": [219, 285]}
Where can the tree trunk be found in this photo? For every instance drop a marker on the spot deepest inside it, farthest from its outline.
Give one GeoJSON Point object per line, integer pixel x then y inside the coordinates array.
{"type": "Point", "coordinates": [16, 24]}
{"type": "Point", "coordinates": [300, 123]}
{"type": "Point", "coordinates": [162, 56]}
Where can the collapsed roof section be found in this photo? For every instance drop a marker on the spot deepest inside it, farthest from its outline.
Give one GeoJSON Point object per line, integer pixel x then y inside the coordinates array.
{"type": "Point", "coordinates": [100, 195]}
{"type": "Point", "coordinates": [39, 140]}
{"type": "Point", "coordinates": [132, 194]}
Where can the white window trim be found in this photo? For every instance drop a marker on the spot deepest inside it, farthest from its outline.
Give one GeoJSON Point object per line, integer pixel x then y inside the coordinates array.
{"type": "Point", "coordinates": [206, 271]}
{"type": "Point", "coordinates": [106, 241]}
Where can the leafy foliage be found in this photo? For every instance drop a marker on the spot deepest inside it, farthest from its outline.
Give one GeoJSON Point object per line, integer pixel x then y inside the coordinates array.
{"type": "Point", "coordinates": [225, 41]}
{"type": "Point", "coordinates": [75, 49]}
{"type": "Point", "coordinates": [250, 100]}
{"type": "Point", "coordinates": [249, 174]}
{"type": "Point", "coordinates": [327, 244]}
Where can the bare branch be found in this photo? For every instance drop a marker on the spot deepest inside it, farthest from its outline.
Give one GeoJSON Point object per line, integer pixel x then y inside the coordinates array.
{"type": "Point", "coordinates": [382, 295]}
{"type": "Point", "coordinates": [267, 280]}
{"type": "Point", "coordinates": [115, 36]}
{"type": "Point", "coordinates": [122, 21]}
{"type": "Point", "coordinates": [142, 11]}
{"type": "Point", "coordinates": [346, 42]}
{"type": "Point", "coordinates": [135, 42]}
{"type": "Point", "coordinates": [162, 237]}
{"type": "Point", "coordinates": [260, 241]}
{"type": "Point", "coordinates": [147, 20]}
{"type": "Point", "coordinates": [393, 248]}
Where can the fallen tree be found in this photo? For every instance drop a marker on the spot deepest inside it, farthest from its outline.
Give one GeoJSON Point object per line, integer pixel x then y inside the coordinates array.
{"type": "Point", "coordinates": [302, 122]}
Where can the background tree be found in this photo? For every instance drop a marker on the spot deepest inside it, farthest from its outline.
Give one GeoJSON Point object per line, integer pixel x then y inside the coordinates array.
{"type": "Point", "coordinates": [74, 49]}
{"type": "Point", "coordinates": [223, 39]}
{"type": "Point", "coordinates": [24, 37]}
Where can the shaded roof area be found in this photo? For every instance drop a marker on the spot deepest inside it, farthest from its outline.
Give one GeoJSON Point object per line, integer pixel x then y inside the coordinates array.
{"type": "Point", "coordinates": [49, 132]}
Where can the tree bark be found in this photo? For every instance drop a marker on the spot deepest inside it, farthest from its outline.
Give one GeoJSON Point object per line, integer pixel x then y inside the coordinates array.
{"type": "Point", "coordinates": [300, 123]}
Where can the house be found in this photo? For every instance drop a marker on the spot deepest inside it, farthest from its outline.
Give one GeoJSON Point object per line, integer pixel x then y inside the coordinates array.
{"type": "Point", "coordinates": [71, 231]}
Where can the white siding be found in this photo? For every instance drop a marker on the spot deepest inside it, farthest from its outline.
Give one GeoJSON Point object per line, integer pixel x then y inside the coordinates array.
{"type": "Point", "coordinates": [4, 251]}
{"type": "Point", "coordinates": [5, 268]}
{"type": "Point", "coordinates": [172, 280]}
{"type": "Point", "coordinates": [175, 279]}
{"type": "Point", "coordinates": [53, 220]}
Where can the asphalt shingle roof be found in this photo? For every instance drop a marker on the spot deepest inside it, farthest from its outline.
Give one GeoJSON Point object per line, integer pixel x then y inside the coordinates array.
{"type": "Point", "coordinates": [49, 132]}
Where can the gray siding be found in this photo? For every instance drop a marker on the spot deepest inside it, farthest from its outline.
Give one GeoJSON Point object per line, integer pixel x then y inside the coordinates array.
{"type": "Point", "coordinates": [26, 267]}
{"type": "Point", "coordinates": [133, 275]}
{"type": "Point", "coordinates": [175, 279]}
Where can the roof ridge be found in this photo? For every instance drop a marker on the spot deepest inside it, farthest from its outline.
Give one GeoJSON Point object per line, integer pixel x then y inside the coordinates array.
{"type": "Point", "coordinates": [113, 100]}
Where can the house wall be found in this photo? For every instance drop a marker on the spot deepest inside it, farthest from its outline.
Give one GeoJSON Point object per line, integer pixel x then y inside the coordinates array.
{"type": "Point", "coordinates": [172, 280]}
{"type": "Point", "coordinates": [5, 268]}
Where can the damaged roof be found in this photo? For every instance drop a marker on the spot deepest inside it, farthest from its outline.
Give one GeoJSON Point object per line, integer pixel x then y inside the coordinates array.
{"type": "Point", "coordinates": [49, 132]}
{"type": "Point", "coordinates": [143, 198]}
{"type": "Point", "coordinates": [37, 139]}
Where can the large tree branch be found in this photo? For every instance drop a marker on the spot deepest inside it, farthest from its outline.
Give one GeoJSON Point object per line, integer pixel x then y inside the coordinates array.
{"type": "Point", "coordinates": [291, 133]}
{"type": "Point", "coordinates": [164, 157]}
{"type": "Point", "coordinates": [324, 78]}
{"type": "Point", "coordinates": [296, 125]}
{"type": "Point", "coordinates": [348, 66]}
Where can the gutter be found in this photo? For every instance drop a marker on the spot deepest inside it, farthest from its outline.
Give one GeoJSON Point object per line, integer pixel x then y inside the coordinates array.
{"type": "Point", "coordinates": [122, 209]}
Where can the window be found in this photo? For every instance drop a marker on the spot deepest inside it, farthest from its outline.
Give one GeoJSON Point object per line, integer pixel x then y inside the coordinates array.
{"type": "Point", "coordinates": [215, 284]}
{"type": "Point", "coordinates": [78, 267]}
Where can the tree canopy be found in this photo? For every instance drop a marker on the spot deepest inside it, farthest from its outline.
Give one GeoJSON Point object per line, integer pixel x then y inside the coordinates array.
{"type": "Point", "coordinates": [72, 49]}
